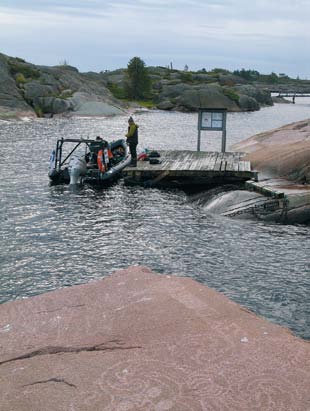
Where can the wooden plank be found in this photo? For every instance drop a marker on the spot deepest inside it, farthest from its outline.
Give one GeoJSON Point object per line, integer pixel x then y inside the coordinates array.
{"type": "Point", "coordinates": [193, 161]}
{"type": "Point", "coordinates": [205, 161]}
{"type": "Point", "coordinates": [225, 159]}
{"type": "Point", "coordinates": [241, 165]}
{"type": "Point", "coordinates": [209, 162]}
{"type": "Point", "coordinates": [160, 177]}
{"type": "Point", "coordinates": [201, 160]}
{"type": "Point", "coordinates": [213, 161]}
{"type": "Point", "coordinates": [180, 160]}
{"type": "Point", "coordinates": [189, 161]}
{"type": "Point", "coordinates": [185, 163]}
{"type": "Point", "coordinates": [177, 160]}
{"type": "Point", "coordinates": [194, 165]}
{"type": "Point", "coordinates": [230, 164]}
{"type": "Point", "coordinates": [223, 165]}
{"type": "Point", "coordinates": [229, 159]}
{"type": "Point", "coordinates": [236, 162]}
{"type": "Point", "coordinates": [166, 164]}
{"type": "Point", "coordinates": [263, 188]}
{"type": "Point", "coordinates": [217, 165]}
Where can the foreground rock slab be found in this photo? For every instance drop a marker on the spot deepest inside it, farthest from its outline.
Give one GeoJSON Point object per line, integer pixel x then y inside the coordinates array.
{"type": "Point", "coordinates": [142, 341]}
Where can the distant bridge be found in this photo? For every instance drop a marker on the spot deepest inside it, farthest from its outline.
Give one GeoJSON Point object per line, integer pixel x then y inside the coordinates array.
{"type": "Point", "coordinates": [290, 94]}
{"type": "Point", "coordinates": [287, 90]}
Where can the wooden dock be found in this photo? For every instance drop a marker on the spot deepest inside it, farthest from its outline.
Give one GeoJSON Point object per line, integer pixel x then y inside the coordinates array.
{"type": "Point", "coordinates": [191, 170]}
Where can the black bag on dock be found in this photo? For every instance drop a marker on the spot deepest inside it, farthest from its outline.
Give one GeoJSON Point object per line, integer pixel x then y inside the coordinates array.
{"type": "Point", "coordinates": [153, 154]}
{"type": "Point", "coordinates": [154, 160]}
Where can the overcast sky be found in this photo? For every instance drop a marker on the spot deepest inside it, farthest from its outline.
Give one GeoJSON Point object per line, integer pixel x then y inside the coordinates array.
{"type": "Point", "coordinates": [94, 35]}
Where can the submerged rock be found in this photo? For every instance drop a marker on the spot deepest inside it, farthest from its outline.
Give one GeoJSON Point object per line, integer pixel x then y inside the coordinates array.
{"type": "Point", "coordinates": [292, 208]}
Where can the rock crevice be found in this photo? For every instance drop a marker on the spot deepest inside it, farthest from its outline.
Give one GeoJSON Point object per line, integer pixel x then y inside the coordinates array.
{"type": "Point", "coordinates": [107, 346]}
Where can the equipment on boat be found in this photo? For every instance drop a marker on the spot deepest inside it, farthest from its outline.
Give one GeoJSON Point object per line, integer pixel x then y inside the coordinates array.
{"type": "Point", "coordinates": [101, 163]}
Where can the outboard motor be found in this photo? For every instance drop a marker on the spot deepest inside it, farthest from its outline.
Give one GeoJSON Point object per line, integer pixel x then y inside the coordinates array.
{"type": "Point", "coordinates": [77, 168]}
{"type": "Point", "coordinates": [52, 163]}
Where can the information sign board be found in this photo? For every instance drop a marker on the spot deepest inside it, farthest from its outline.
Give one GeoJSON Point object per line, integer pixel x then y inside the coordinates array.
{"type": "Point", "coordinates": [212, 119]}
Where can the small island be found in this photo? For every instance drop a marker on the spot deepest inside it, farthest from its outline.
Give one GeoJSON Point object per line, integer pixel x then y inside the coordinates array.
{"type": "Point", "coordinates": [32, 90]}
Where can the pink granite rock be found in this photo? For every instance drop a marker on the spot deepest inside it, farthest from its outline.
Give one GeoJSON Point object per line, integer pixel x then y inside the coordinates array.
{"type": "Point", "coordinates": [283, 152]}
{"type": "Point", "coordinates": [139, 341]}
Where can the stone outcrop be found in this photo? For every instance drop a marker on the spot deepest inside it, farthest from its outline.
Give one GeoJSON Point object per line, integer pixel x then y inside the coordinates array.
{"type": "Point", "coordinates": [262, 97]}
{"type": "Point", "coordinates": [12, 102]}
{"type": "Point", "coordinates": [27, 88]}
{"type": "Point", "coordinates": [282, 152]}
{"type": "Point", "coordinates": [184, 97]}
{"type": "Point", "coordinates": [64, 90]}
{"type": "Point", "coordinates": [185, 91]}
{"type": "Point", "coordinates": [141, 341]}
{"type": "Point", "coordinates": [282, 192]}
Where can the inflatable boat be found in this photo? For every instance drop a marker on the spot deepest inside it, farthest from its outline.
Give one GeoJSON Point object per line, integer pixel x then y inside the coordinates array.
{"type": "Point", "coordinates": [95, 162]}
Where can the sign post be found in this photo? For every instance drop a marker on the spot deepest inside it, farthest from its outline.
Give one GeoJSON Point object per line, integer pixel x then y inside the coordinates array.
{"type": "Point", "coordinates": [212, 119]}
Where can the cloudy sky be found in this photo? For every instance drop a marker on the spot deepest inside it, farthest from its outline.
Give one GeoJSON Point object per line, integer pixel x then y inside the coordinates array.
{"type": "Point", "coordinates": [94, 35]}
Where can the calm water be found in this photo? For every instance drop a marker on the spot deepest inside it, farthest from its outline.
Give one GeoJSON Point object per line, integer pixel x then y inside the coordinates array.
{"type": "Point", "coordinates": [53, 237]}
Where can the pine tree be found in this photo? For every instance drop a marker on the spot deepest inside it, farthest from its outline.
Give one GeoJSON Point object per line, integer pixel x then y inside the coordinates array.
{"type": "Point", "coordinates": [138, 82]}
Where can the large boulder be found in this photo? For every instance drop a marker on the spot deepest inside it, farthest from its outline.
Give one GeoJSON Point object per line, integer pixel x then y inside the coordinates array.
{"type": "Point", "coordinates": [165, 105]}
{"type": "Point", "coordinates": [194, 97]}
{"type": "Point", "coordinates": [12, 102]}
{"type": "Point", "coordinates": [191, 96]}
{"type": "Point", "coordinates": [85, 104]}
{"type": "Point", "coordinates": [53, 105]}
{"type": "Point", "coordinates": [263, 97]}
{"type": "Point", "coordinates": [247, 103]}
{"type": "Point", "coordinates": [282, 152]}
{"type": "Point", "coordinates": [62, 89]}
{"type": "Point", "coordinates": [172, 90]}
{"type": "Point", "coordinates": [44, 98]}
{"type": "Point", "coordinates": [35, 89]}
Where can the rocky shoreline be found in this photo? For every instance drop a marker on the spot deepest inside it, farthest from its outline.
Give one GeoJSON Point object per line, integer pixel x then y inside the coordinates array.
{"type": "Point", "coordinates": [282, 152]}
{"type": "Point", "coordinates": [137, 340]}
{"type": "Point", "coordinates": [41, 91]}
{"type": "Point", "coordinates": [27, 90]}
{"type": "Point", "coordinates": [281, 193]}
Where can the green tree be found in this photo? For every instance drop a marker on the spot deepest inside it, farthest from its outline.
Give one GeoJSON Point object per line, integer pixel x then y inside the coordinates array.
{"type": "Point", "coordinates": [138, 82]}
{"type": "Point", "coordinates": [273, 78]}
{"type": "Point", "coordinates": [249, 75]}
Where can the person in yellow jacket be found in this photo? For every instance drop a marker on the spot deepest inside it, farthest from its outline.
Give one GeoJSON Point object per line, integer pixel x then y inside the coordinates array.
{"type": "Point", "coordinates": [132, 140]}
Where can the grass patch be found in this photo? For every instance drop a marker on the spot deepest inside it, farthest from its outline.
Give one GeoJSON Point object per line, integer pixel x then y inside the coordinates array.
{"type": "Point", "coordinates": [231, 94]}
{"type": "Point", "coordinates": [117, 91]}
{"type": "Point", "coordinates": [146, 103]}
{"type": "Point", "coordinates": [20, 79]}
{"type": "Point", "coordinates": [18, 67]}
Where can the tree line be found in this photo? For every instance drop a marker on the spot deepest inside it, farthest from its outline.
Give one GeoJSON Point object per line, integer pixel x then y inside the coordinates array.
{"type": "Point", "coordinates": [138, 82]}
